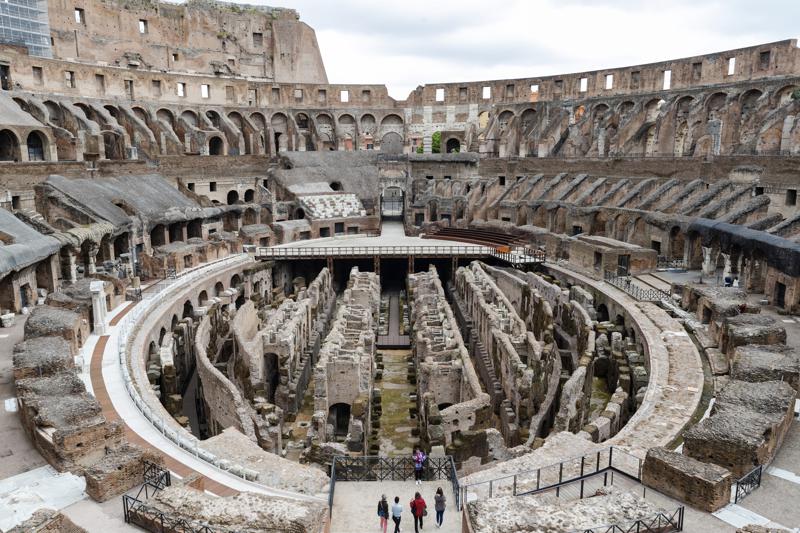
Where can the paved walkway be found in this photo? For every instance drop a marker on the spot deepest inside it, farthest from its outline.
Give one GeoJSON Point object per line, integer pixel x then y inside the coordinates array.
{"type": "Point", "coordinates": [17, 454]}
{"type": "Point", "coordinates": [355, 506]}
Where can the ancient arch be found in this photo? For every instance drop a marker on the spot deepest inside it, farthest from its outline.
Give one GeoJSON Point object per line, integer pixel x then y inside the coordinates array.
{"type": "Point", "coordinates": [216, 146]}
{"type": "Point", "coordinates": [392, 143]}
{"type": "Point", "coordinates": [453, 145]}
{"type": "Point", "coordinates": [9, 146]}
{"type": "Point", "coordinates": [232, 197]}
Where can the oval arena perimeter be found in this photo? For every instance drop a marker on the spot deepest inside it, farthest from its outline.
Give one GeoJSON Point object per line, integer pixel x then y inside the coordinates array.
{"type": "Point", "coordinates": [236, 297]}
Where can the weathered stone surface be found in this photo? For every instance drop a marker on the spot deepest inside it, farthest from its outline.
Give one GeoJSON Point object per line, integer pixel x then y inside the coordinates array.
{"type": "Point", "coordinates": [511, 513]}
{"type": "Point", "coordinates": [750, 329]}
{"type": "Point", "coordinates": [747, 425]}
{"type": "Point", "coordinates": [47, 521]}
{"type": "Point", "coordinates": [118, 471]}
{"type": "Point", "coordinates": [246, 512]}
{"type": "Point", "coordinates": [702, 485]}
{"type": "Point", "coordinates": [767, 363]}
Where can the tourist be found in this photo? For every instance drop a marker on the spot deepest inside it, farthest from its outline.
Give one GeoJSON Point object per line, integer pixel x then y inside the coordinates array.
{"type": "Point", "coordinates": [419, 464]}
{"type": "Point", "coordinates": [419, 509]}
{"type": "Point", "coordinates": [383, 512]}
{"type": "Point", "coordinates": [439, 505]}
{"type": "Point", "coordinates": [397, 510]}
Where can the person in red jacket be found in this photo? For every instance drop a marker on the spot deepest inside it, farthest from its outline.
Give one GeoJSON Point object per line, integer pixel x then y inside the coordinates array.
{"type": "Point", "coordinates": [418, 509]}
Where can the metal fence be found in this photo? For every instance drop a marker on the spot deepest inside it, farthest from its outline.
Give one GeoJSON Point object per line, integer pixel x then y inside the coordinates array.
{"type": "Point", "coordinates": [664, 522]}
{"type": "Point", "coordinates": [377, 468]}
{"type": "Point", "coordinates": [136, 511]}
{"type": "Point", "coordinates": [626, 284]}
{"type": "Point", "coordinates": [748, 483]}
{"type": "Point", "coordinates": [555, 476]}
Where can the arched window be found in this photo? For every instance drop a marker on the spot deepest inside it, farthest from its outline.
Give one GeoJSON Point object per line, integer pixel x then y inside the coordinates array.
{"type": "Point", "coordinates": [36, 145]}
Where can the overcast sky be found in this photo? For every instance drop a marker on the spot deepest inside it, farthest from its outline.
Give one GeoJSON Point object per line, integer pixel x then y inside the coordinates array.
{"type": "Point", "coordinates": [407, 43]}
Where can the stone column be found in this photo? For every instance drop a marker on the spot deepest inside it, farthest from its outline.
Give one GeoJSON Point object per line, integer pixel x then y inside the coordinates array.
{"type": "Point", "coordinates": [91, 259]}
{"type": "Point", "coordinates": [69, 265]}
{"type": "Point", "coordinates": [709, 261]}
{"type": "Point", "coordinates": [98, 306]}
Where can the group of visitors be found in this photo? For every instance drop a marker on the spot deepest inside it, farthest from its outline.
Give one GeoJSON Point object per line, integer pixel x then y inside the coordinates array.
{"type": "Point", "coordinates": [418, 506]}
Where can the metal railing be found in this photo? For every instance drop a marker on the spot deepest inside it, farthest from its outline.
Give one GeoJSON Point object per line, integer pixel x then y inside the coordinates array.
{"type": "Point", "coordinates": [377, 468]}
{"type": "Point", "coordinates": [518, 255]}
{"type": "Point", "coordinates": [127, 328]}
{"type": "Point", "coordinates": [554, 476]}
{"type": "Point", "coordinates": [626, 284]}
{"type": "Point", "coordinates": [748, 483]}
{"type": "Point", "coordinates": [664, 522]}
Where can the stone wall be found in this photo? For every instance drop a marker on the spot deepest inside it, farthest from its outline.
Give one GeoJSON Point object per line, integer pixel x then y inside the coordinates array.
{"type": "Point", "coordinates": [704, 486]}
{"type": "Point", "coordinates": [522, 363]}
{"type": "Point", "coordinates": [747, 425]}
{"type": "Point", "coordinates": [450, 397]}
{"type": "Point", "coordinates": [343, 376]}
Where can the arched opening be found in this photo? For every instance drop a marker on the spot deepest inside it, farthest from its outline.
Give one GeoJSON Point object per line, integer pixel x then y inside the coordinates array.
{"type": "Point", "coordinates": [173, 323]}
{"type": "Point", "coordinates": [36, 146]}
{"type": "Point", "coordinates": [302, 121]}
{"type": "Point", "coordinates": [299, 213]}
{"type": "Point", "coordinates": [158, 235]}
{"type": "Point", "coordinates": [232, 197]}
{"type": "Point", "coordinates": [279, 129]}
{"type": "Point", "coordinates": [9, 146]}
{"type": "Point", "coordinates": [602, 313]}
{"type": "Point", "coordinates": [339, 418]}
{"type": "Point", "coordinates": [161, 335]}
{"type": "Point", "coordinates": [175, 232]}
{"type": "Point", "coordinates": [272, 375]}
{"type": "Point", "coordinates": [214, 118]}
{"type": "Point", "coordinates": [219, 288]}
{"type": "Point", "coordinates": [453, 146]}
{"type": "Point", "coordinates": [215, 146]}
{"type": "Point", "coordinates": [195, 229]}
{"type": "Point", "coordinates": [392, 143]}
{"type": "Point", "coordinates": [188, 309]}
{"type": "Point", "coordinates": [235, 281]}
{"type": "Point", "coordinates": [121, 245]}
{"type": "Point", "coordinates": [392, 202]}
{"type": "Point", "coordinates": [336, 186]}
{"type": "Point", "coordinates": [202, 298]}
{"type": "Point", "coordinates": [249, 196]}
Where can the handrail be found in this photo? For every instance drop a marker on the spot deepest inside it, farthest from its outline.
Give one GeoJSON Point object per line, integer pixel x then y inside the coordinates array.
{"type": "Point", "coordinates": [626, 284]}
{"type": "Point", "coordinates": [516, 255]}
{"type": "Point", "coordinates": [380, 468]}
{"type": "Point", "coordinates": [661, 522]}
{"type": "Point", "coordinates": [600, 460]}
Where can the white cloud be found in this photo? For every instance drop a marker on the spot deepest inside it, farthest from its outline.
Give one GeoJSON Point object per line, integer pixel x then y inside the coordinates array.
{"type": "Point", "coordinates": [415, 42]}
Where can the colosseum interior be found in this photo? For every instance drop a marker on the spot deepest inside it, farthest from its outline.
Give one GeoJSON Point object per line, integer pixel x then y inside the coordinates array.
{"type": "Point", "coordinates": [236, 297]}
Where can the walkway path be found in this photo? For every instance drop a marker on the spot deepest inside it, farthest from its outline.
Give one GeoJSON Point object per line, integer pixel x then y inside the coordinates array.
{"type": "Point", "coordinates": [355, 506]}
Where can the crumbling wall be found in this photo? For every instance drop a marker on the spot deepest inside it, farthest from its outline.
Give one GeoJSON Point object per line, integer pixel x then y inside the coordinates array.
{"type": "Point", "coordinates": [450, 397]}
{"type": "Point", "coordinates": [702, 485]}
{"type": "Point", "coordinates": [523, 363]}
{"type": "Point", "coordinates": [343, 376]}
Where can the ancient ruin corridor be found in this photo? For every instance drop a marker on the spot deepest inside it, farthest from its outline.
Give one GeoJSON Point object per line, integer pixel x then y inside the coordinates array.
{"type": "Point", "coordinates": [397, 424]}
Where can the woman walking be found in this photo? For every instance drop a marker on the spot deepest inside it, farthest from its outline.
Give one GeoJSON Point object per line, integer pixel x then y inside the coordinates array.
{"type": "Point", "coordinates": [419, 509]}
{"type": "Point", "coordinates": [397, 510]}
{"type": "Point", "coordinates": [383, 512]}
{"type": "Point", "coordinates": [419, 464]}
{"type": "Point", "coordinates": [439, 505]}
